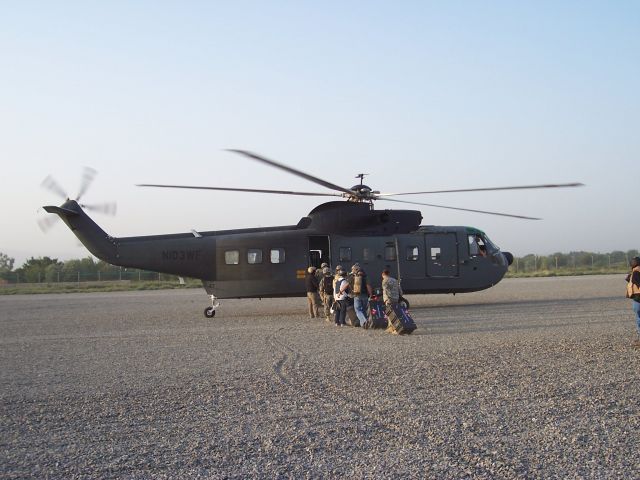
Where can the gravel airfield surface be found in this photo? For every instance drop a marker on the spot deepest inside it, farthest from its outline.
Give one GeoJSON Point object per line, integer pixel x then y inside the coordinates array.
{"type": "Point", "coordinates": [534, 378]}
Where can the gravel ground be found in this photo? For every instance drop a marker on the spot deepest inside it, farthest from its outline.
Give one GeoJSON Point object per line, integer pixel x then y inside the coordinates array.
{"type": "Point", "coordinates": [535, 378]}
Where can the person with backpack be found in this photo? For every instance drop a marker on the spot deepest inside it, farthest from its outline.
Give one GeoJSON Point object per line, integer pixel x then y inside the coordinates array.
{"type": "Point", "coordinates": [340, 296]}
{"type": "Point", "coordinates": [326, 292]}
{"type": "Point", "coordinates": [361, 292]}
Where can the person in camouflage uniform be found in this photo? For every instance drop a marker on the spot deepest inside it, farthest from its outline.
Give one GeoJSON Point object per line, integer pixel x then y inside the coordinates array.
{"type": "Point", "coordinates": [391, 290]}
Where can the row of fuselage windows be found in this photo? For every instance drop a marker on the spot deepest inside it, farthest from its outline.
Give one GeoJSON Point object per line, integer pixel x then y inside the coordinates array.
{"type": "Point", "coordinates": [277, 255]}
{"type": "Point", "coordinates": [345, 254]}
{"type": "Point", "coordinates": [254, 256]}
{"type": "Point", "coordinates": [412, 254]}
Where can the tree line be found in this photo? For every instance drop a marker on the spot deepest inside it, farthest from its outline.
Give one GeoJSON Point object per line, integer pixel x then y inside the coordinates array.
{"type": "Point", "coordinates": [52, 270]}
{"type": "Point", "coordinates": [617, 260]}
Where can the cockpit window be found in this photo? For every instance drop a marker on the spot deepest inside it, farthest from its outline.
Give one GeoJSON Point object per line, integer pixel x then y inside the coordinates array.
{"type": "Point", "coordinates": [480, 245]}
{"type": "Point", "coordinates": [474, 249]}
{"type": "Point", "coordinates": [492, 246]}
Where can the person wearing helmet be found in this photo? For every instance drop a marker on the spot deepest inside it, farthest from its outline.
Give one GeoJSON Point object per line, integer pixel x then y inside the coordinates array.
{"type": "Point", "coordinates": [326, 292]}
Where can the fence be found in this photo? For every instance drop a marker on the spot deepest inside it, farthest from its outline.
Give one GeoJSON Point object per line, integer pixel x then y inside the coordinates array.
{"type": "Point", "coordinates": [569, 264]}
{"type": "Point", "coordinates": [79, 276]}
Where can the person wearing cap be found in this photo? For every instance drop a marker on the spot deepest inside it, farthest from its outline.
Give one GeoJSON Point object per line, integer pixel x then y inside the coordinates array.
{"type": "Point", "coordinates": [361, 293]}
{"type": "Point", "coordinates": [391, 289]}
{"type": "Point", "coordinates": [313, 299]}
{"type": "Point", "coordinates": [633, 292]}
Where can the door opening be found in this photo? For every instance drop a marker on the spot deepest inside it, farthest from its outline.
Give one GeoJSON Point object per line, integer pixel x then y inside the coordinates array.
{"type": "Point", "coordinates": [319, 250]}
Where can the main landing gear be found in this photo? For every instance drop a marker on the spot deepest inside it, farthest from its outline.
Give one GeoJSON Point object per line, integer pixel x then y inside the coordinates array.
{"type": "Point", "coordinates": [210, 312]}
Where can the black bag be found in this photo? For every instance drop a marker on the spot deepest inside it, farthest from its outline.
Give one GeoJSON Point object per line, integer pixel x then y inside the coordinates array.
{"type": "Point", "coordinates": [399, 319]}
{"type": "Point", "coordinates": [351, 318]}
{"type": "Point", "coordinates": [377, 317]}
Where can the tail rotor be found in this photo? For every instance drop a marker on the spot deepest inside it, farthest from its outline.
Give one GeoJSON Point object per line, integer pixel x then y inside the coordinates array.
{"type": "Point", "coordinates": [88, 176]}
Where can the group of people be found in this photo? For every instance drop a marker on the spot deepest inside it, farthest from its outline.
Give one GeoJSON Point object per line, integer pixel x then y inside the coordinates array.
{"type": "Point", "coordinates": [334, 292]}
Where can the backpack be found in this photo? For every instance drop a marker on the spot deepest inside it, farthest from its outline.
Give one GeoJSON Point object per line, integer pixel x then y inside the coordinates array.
{"type": "Point", "coordinates": [358, 285]}
{"type": "Point", "coordinates": [326, 285]}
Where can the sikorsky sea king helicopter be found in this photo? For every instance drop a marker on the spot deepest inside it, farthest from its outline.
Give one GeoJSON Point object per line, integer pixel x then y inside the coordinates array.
{"type": "Point", "coordinates": [271, 262]}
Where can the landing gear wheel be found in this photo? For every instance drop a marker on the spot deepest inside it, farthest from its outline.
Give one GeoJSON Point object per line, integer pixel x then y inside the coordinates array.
{"type": "Point", "coordinates": [209, 312]}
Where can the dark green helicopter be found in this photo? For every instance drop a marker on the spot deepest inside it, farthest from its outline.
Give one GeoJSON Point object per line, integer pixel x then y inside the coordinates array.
{"type": "Point", "coordinates": [271, 262]}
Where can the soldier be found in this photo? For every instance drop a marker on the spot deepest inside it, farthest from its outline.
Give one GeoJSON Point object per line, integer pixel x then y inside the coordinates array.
{"type": "Point", "coordinates": [320, 272]}
{"type": "Point", "coordinates": [313, 299]}
{"type": "Point", "coordinates": [326, 292]}
{"type": "Point", "coordinates": [391, 290]}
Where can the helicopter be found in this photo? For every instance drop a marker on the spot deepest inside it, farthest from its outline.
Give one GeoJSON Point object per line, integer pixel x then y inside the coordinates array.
{"type": "Point", "coordinates": [272, 261]}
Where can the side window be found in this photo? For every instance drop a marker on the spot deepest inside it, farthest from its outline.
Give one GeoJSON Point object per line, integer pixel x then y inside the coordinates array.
{"type": "Point", "coordinates": [477, 246]}
{"type": "Point", "coordinates": [473, 246]}
{"type": "Point", "coordinates": [412, 253]}
{"type": "Point", "coordinates": [232, 257]}
{"type": "Point", "coordinates": [435, 253]}
{"type": "Point", "coordinates": [254, 255]}
{"type": "Point", "coordinates": [367, 254]}
{"type": "Point", "coordinates": [390, 253]}
{"type": "Point", "coordinates": [277, 255]}
{"type": "Point", "coordinates": [345, 254]}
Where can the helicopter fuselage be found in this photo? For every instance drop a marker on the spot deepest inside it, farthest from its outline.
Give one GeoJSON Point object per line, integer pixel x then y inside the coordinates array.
{"type": "Point", "coordinates": [271, 262]}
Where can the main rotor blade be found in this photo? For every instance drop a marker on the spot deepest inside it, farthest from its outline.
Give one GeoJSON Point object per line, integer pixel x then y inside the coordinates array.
{"type": "Point", "coordinates": [106, 208]}
{"type": "Point", "coordinates": [463, 209]}
{"type": "Point", "coordinates": [306, 176]}
{"type": "Point", "coordinates": [50, 184]}
{"type": "Point", "coordinates": [251, 190]}
{"type": "Point", "coordinates": [520, 187]}
{"type": "Point", "coordinates": [88, 175]}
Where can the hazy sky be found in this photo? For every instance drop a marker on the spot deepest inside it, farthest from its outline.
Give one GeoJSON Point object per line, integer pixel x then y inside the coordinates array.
{"type": "Point", "coordinates": [420, 95]}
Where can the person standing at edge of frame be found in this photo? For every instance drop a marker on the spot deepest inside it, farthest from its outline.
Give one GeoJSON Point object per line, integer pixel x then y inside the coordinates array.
{"type": "Point", "coordinates": [633, 292]}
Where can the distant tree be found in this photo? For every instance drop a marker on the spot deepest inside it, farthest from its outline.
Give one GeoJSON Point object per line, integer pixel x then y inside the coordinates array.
{"type": "Point", "coordinates": [6, 264]}
{"type": "Point", "coordinates": [34, 269]}
{"type": "Point", "coordinates": [87, 267]}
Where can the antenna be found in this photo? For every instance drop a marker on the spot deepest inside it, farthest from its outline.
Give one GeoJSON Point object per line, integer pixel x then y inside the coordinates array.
{"type": "Point", "coordinates": [361, 177]}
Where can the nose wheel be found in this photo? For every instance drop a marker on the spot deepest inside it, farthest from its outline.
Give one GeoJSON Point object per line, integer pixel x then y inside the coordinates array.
{"type": "Point", "coordinates": [210, 312]}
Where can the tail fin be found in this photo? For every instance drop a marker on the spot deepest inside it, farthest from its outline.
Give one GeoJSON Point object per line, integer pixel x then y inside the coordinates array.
{"type": "Point", "coordinates": [88, 232]}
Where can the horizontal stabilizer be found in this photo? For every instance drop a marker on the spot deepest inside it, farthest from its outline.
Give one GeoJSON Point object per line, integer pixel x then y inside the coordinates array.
{"type": "Point", "coordinates": [61, 211]}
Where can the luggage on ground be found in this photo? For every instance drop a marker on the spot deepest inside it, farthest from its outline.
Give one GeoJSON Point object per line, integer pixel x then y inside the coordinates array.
{"type": "Point", "coordinates": [399, 319]}
{"type": "Point", "coordinates": [352, 319]}
{"type": "Point", "coordinates": [377, 317]}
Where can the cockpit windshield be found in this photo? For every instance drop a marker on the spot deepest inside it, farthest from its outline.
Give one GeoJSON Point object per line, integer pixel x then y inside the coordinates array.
{"type": "Point", "coordinates": [490, 245]}
{"type": "Point", "coordinates": [480, 245]}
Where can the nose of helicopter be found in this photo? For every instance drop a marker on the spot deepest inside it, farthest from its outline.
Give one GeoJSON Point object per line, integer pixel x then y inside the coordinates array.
{"type": "Point", "coordinates": [509, 257]}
